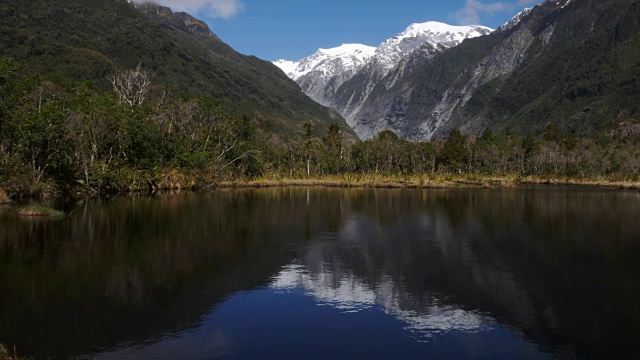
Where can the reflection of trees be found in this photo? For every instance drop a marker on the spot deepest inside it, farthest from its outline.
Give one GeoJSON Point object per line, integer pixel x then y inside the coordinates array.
{"type": "Point", "coordinates": [133, 268]}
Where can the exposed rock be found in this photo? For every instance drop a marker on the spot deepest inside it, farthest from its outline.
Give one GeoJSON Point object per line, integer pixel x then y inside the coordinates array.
{"type": "Point", "coordinates": [496, 81]}
{"type": "Point", "coordinates": [345, 77]}
{"type": "Point", "coordinates": [546, 65]}
{"type": "Point", "coordinates": [180, 20]}
{"type": "Point", "coordinates": [515, 20]}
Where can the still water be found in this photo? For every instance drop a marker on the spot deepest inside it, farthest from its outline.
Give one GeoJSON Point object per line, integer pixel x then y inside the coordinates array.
{"type": "Point", "coordinates": [529, 273]}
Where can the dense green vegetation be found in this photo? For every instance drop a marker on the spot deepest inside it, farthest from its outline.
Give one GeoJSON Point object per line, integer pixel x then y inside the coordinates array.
{"type": "Point", "coordinates": [67, 137]}
{"type": "Point", "coordinates": [95, 125]}
{"type": "Point", "coordinates": [87, 40]}
{"type": "Point", "coordinates": [586, 78]}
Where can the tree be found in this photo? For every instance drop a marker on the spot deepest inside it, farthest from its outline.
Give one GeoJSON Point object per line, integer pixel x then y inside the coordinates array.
{"type": "Point", "coordinates": [8, 69]}
{"type": "Point", "coordinates": [423, 157]}
{"type": "Point", "coordinates": [132, 86]}
{"type": "Point", "coordinates": [454, 154]}
{"type": "Point", "coordinates": [311, 146]}
{"type": "Point", "coordinates": [551, 133]}
{"type": "Point", "coordinates": [333, 149]}
{"type": "Point", "coordinates": [487, 136]}
{"type": "Point", "coordinates": [394, 153]}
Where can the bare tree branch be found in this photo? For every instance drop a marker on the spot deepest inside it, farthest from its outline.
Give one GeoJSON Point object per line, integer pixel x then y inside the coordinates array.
{"type": "Point", "coordinates": [132, 86]}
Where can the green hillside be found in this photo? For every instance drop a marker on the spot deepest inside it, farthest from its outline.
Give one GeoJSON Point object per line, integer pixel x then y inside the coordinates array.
{"type": "Point", "coordinates": [574, 64]}
{"type": "Point", "coordinates": [89, 39]}
{"type": "Point", "coordinates": [586, 78]}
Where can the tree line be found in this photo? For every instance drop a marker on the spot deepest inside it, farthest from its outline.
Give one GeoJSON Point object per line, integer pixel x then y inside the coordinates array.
{"type": "Point", "coordinates": [59, 135]}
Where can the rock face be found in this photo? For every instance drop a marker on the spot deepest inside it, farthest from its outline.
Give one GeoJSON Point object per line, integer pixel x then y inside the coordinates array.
{"type": "Point", "coordinates": [515, 20]}
{"type": "Point", "coordinates": [344, 77]}
{"type": "Point", "coordinates": [180, 20]}
{"type": "Point", "coordinates": [566, 62]}
{"type": "Point", "coordinates": [546, 67]}
{"type": "Point", "coordinates": [498, 61]}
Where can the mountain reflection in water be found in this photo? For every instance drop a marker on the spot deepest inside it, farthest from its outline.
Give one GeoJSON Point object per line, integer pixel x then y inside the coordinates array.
{"type": "Point", "coordinates": [349, 294]}
{"type": "Point", "coordinates": [316, 273]}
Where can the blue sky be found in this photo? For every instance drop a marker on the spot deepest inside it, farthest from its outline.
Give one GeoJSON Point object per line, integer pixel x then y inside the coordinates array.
{"type": "Point", "coordinates": [274, 29]}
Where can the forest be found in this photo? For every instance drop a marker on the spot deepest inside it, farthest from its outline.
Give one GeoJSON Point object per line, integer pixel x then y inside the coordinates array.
{"type": "Point", "coordinates": [59, 137]}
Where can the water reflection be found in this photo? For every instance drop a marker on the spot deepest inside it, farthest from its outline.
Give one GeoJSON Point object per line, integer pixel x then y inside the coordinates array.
{"type": "Point", "coordinates": [198, 273]}
{"type": "Point", "coordinates": [347, 293]}
{"type": "Point", "coordinates": [558, 265]}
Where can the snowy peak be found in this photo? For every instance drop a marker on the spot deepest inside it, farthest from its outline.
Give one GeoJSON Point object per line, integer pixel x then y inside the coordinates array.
{"type": "Point", "coordinates": [524, 13]}
{"type": "Point", "coordinates": [347, 57]}
{"type": "Point", "coordinates": [437, 32]}
{"type": "Point", "coordinates": [434, 34]}
{"type": "Point", "coordinates": [289, 67]}
{"type": "Point", "coordinates": [352, 57]}
{"type": "Point", "coordinates": [344, 77]}
{"type": "Point", "coordinates": [362, 52]}
{"type": "Point", "coordinates": [515, 20]}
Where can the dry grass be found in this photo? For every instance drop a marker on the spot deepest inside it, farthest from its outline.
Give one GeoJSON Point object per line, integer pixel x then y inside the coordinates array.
{"type": "Point", "coordinates": [39, 211]}
{"type": "Point", "coordinates": [427, 181]}
{"type": "Point", "coordinates": [430, 181]}
{"type": "Point", "coordinates": [623, 185]}
{"type": "Point", "coordinates": [4, 199]}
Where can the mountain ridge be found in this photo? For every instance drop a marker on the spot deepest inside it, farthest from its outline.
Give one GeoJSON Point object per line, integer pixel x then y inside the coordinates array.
{"type": "Point", "coordinates": [80, 41]}
{"type": "Point", "coordinates": [571, 63]}
{"type": "Point", "coordinates": [350, 55]}
{"type": "Point", "coordinates": [559, 65]}
{"type": "Point", "coordinates": [329, 84]}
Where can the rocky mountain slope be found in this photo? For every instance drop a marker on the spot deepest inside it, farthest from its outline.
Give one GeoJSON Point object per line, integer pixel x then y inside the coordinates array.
{"type": "Point", "coordinates": [87, 40]}
{"type": "Point", "coordinates": [572, 63]}
{"type": "Point", "coordinates": [344, 77]}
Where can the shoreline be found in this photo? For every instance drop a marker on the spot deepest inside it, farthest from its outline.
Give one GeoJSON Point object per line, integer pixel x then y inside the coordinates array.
{"type": "Point", "coordinates": [414, 182]}
{"type": "Point", "coordinates": [433, 181]}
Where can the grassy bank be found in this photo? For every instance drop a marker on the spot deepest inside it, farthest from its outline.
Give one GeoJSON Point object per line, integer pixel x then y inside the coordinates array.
{"type": "Point", "coordinates": [428, 181]}
{"type": "Point", "coordinates": [39, 211]}
{"type": "Point", "coordinates": [194, 182]}
{"type": "Point", "coordinates": [613, 184]}
{"type": "Point", "coordinates": [432, 181]}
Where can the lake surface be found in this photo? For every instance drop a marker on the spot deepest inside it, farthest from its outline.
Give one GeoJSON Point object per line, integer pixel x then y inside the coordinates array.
{"type": "Point", "coordinates": [528, 273]}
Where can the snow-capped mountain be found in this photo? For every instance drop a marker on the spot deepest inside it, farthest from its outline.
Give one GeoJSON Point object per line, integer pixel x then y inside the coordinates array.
{"type": "Point", "coordinates": [323, 75]}
{"type": "Point", "coordinates": [432, 77]}
{"type": "Point", "coordinates": [433, 34]}
{"type": "Point", "coordinates": [515, 20]}
{"type": "Point", "coordinates": [502, 81]}
{"type": "Point", "coordinates": [328, 61]}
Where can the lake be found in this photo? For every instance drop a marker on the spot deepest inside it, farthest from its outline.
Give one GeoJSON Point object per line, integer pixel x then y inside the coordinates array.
{"type": "Point", "coordinates": [527, 273]}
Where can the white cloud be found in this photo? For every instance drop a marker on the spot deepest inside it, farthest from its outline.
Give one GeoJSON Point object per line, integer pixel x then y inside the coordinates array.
{"type": "Point", "coordinates": [215, 8]}
{"type": "Point", "coordinates": [473, 10]}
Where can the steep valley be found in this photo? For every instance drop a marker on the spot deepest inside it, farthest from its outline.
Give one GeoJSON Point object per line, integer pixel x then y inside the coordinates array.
{"type": "Point", "coordinates": [571, 63]}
